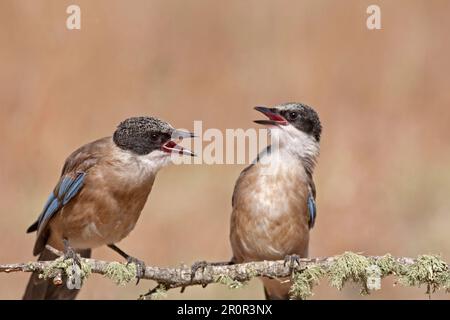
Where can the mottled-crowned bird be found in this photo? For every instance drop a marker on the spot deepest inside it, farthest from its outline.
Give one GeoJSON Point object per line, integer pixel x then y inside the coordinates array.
{"type": "Point", "coordinates": [102, 190]}
{"type": "Point", "coordinates": [274, 198]}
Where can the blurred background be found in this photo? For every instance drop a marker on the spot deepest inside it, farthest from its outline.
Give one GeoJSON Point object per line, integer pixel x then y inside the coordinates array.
{"type": "Point", "coordinates": [383, 177]}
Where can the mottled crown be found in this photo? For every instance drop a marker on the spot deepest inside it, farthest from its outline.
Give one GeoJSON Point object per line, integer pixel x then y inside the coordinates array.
{"type": "Point", "coordinates": [138, 134]}
{"type": "Point", "coordinates": [144, 124]}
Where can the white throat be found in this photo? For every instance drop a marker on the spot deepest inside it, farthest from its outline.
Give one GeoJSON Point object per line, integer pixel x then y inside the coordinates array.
{"type": "Point", "coordinates": [142, 166]}
{"type": "Point", "coordinates": [289, 139]}
{"type": "Point", "coordinates": [289, 146]}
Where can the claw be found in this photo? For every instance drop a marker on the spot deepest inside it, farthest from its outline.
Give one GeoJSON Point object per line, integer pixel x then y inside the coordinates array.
{"type": "Point", "coordinates": [73, 280]}
{"type": "Point", "coordinates": [140, 267]}
{"type": "Point", "coordinates": [293, 261]}
{"type": "Point", "coordinates": [70, 253]}
{"type": "Point", "coordinates": [202, 265]}
{"type": "Point", "coordinates": [197, 266]}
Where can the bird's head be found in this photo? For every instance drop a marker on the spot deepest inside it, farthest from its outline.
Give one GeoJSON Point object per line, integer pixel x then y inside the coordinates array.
{"type": "Point", "coordinates": [147, 135]}
{"type": "Point", "coordinates": [296, 125]}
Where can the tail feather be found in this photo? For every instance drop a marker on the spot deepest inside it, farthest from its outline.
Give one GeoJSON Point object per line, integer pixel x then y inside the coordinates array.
{"type": "Point", "coordinates": [33, 227]}
{"type": "Point", "coordinates": [276, 289]}
{"type": "Point", "coordinates": [40, 289]}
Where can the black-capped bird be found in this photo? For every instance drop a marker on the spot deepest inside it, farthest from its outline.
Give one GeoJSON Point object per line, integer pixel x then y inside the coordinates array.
{"type": "Point", "coordinates": [274, 198]}
{"type": "Point", "coordinates": [102, 190]}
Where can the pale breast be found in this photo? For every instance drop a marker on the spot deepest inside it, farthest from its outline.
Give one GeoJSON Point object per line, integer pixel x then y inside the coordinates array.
{"type": "Point", "coordinates": [269, 218]}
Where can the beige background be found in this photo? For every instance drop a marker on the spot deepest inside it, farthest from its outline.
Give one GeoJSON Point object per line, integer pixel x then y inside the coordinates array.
{"type": "Point", "coordinates": [383, 177]}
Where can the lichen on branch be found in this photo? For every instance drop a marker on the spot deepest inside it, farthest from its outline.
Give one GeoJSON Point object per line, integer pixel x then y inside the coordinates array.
{"type": "Point", "coordinates": [366, 271]}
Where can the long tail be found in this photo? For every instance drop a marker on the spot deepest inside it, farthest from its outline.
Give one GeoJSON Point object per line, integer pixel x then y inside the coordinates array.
{"type": "Point", "coordinates": [40, 289]}
{"type": "Point", "coordinates": [274, 289]}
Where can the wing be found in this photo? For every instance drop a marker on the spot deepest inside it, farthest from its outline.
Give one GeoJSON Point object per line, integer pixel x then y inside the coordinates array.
{"type": "Point", "coordinates": [67, 188]}
{"type": "Point", "coordinates": [312, 211]}
{"type": "Point", "coordinates": [71, 182]}
{"type": "Point", "coordinates": [236, 186]}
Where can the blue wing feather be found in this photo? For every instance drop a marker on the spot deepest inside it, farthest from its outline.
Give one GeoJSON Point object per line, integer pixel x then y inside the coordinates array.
{"type": "Point", "coordinates": [50, 206]}
{"type": "Point", "coordinates": [74, 188]}
{"type": "Point", "coordinates": [68, 188]}
{"type": "Point", "coordinates": [64, 185]}
{"type": "Point", "coordinates": [311, 210]}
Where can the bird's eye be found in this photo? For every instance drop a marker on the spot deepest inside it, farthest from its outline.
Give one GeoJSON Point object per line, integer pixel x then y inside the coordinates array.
{"type": "Point", "coordinates": [154, 137]}
{"type": "Point", "coordinates": [293, 115]}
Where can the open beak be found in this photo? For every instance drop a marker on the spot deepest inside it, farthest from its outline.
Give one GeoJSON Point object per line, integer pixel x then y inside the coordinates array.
{"type": "Point", "coordinates": [180, 134]}
{"type": "Point", "coordinates": [171, 146]}
{"type": "Point", "coordinates": [274, 118]}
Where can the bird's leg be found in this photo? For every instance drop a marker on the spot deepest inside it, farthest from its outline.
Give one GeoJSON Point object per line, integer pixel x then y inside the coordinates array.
{"type": "Point", "coordinates": [203, 264]}
{"type": "Point", "coordinates": [140, 265]}
{"type": "Point", "coordinates": [74, 280]}
{"type": "Point", "coordinates": [293, 260]}
{"type": "Point", "coordinates": [70, 253]}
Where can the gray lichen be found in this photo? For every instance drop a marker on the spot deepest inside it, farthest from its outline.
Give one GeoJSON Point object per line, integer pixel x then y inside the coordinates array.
{"type": "Point", "coordinates": [30, 265]}
{"type": "Point", "coordinates": [368, 272]}
{"type": "Point", "coordinates": [121, 273]}
{"type": "Point", "coordinates": [304, 280]}
{"type": "Point", "coordinates": [373, 277]}
{"type": "Point", "coordinates": [365, 271]}
{"type": "Point", "coordinates": [430, 270]}
{"type": "Point", "coordinates": [66, 266]}
{"type": "Point", "coordinates": [349, 266]}
{"type": "Point", "coordinates": [229, 282]}
{"type": "Point", "coordinates": [388, 265]}
{"type": "Point", "coordinates": [159, 293]}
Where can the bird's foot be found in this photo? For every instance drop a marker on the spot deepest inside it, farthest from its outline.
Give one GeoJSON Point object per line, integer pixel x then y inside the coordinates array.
{"type": "Point", "coordinates": [198, 265]}
{"type": "Point", "coordinates": [201, 265]}
{"type": "Point", "coordinates": [292, 260]}
{"type": "Point", "coordinates": [74, 280]}
{"type": "Point", "coordinates": [140, 267]}
{"type": "Point", "coordinates": [70, 253]}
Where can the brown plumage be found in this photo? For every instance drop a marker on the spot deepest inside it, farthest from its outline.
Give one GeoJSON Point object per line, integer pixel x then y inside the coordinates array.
{"type": "Point", "coordinates": [117, 177]}
{"type": "Point", "coordinates": [105, 210]}
{"type": "Point", "coordinates": [270, 219]}
{"type": "Point", "coordinates": [109, 204]}
{"type": "Point", "coordinates": [273, 199]}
